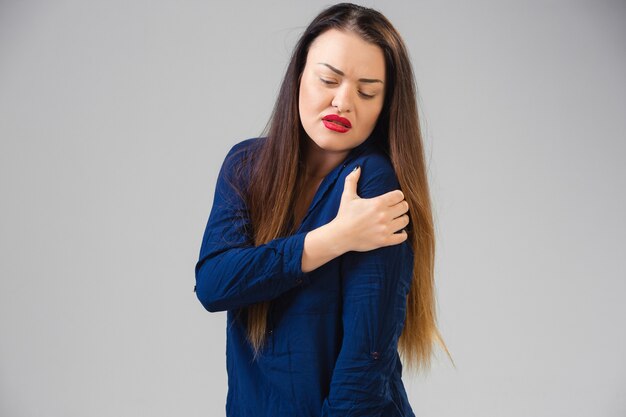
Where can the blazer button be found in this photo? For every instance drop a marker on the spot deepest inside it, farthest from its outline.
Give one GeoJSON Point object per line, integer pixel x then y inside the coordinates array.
{"type": "Point", "coordinates": [270, 331]}
{"type": "Point", "coordinates": [299, 281]}
{"type": "Point", "coordinates": [375, 355]}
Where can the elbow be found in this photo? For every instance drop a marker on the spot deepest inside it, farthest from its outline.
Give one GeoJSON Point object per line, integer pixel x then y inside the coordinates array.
{"type": "Point", "coordinates": [210, 298]}
{"type": "Point", "coordinates": [209, 304]}
{"type": "Point", "coordinates": [209, 295]}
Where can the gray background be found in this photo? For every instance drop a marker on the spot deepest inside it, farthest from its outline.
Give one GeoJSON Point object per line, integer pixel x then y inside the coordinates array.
{"type": "Point", "coordinates": [116, 115]}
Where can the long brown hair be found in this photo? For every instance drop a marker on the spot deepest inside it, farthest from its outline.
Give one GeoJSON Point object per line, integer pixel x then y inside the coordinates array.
{"type": "Point", "coordinates": [270, 198]}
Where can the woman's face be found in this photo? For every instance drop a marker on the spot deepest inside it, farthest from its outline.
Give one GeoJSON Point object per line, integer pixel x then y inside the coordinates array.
{"type": "Point", "coordinates": [343, 75]}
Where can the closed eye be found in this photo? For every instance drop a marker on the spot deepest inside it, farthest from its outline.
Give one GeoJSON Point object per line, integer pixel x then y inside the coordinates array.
{"type": "Point", "coordinates": [332, 82]}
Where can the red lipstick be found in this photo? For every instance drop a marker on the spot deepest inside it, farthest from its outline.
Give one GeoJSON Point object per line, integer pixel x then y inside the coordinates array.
{"type": "Point", "coordinates": [337, 123]}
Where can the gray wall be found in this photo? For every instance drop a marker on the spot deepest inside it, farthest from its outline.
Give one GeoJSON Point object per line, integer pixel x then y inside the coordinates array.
{"type": "Point", "coordinates": [116, 115]}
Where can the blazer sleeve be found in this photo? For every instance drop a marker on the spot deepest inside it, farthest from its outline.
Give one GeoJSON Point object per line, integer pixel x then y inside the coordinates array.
{"type": "Point", "coordinates": [375, 285]}
{"type": "Point", "coordinates": [231, 272]}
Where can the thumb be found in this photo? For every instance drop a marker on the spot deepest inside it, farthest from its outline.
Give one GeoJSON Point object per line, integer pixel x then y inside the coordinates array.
{"type": "Point", "coordinates": [349, 188]}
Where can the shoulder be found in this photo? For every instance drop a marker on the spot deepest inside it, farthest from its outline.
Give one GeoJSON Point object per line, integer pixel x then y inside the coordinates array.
{"type": "Point", "coordinates": [378, 175]}
{"type": "Point", "coordinates": [236, 165]}
{"type": "Point", "coordinates": [248, 143]}
{"type": "Point", "coordinates": [244, 147]}
{"type": "Point", "coordinates": [240, 152]}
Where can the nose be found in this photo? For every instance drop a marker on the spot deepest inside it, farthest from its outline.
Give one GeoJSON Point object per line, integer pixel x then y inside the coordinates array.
{"type": "Point", "coordinates": [343, 99]}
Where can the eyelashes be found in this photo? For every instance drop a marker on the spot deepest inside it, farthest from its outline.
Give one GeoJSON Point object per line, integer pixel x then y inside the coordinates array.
{"type": "Point", "coordinates": [367, 96]}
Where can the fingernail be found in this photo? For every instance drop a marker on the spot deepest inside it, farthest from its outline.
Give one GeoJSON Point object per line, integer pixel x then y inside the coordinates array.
{"type": "Point", "coordinates": [356, 167]}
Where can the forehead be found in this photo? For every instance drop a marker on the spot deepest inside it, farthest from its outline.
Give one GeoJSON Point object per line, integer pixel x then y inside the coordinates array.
{"type": "Point", "coordinates": [347, 52]}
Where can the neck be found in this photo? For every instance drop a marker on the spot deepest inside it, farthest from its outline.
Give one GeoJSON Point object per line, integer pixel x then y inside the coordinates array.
{"type": "Point", "coordinates": [319, 162]}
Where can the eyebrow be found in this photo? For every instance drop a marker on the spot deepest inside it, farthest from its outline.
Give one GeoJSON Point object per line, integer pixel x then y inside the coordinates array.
{"type": "Point", "coordinates": [362, 80]}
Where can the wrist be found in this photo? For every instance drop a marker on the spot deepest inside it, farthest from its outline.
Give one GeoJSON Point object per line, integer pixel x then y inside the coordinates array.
{"type": "Point", "coordinates": [336, 238]}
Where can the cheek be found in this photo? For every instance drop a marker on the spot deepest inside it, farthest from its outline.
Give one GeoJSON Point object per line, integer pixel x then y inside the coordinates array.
{"type": "Point", "coordinates": [372, 115]}
{"type": "Point", "coordinates": [310, 98]}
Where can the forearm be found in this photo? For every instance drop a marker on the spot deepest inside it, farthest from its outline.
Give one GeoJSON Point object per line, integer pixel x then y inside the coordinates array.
{"type": "Point", "coordinates": [322, 245]}
{"type": "Point", "coordinates": [228, 277]}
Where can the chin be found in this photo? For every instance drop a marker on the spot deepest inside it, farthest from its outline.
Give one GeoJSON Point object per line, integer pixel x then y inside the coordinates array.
{"type": "Point", "coordinates": [330, 141]}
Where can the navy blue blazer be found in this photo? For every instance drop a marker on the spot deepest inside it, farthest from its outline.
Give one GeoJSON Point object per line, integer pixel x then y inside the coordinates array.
{"type": "Point", "coordinates": [333, 332]}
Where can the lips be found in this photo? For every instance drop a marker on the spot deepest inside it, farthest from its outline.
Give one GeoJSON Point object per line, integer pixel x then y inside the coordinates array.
{"type": "Point", "coordinates": [338, 119]}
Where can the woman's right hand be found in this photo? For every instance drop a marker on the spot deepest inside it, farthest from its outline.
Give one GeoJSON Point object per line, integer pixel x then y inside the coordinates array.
{"type": "Point", "coordinates": [370, 223]}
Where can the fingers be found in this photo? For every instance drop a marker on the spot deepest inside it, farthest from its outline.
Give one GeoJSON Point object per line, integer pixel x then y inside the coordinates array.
{"type": "Point", "coordinates": [399, 209]}
{"type": "Point", "coordinates": [399, 235]}
{"type": "Point", "coordinates": [392, 197]}
{"type": "Point", "coordinates": [349, 188]}
{"type": "Point", "coordinates": [400, 223]}
{"type": "Point", "coordinates": [397, 238]}
{"type": "Point", "coordinates": [396, 209]}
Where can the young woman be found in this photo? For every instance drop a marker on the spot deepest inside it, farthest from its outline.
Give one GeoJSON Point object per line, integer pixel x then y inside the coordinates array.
{"type": "Point", "coordinates": [320, 241]}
